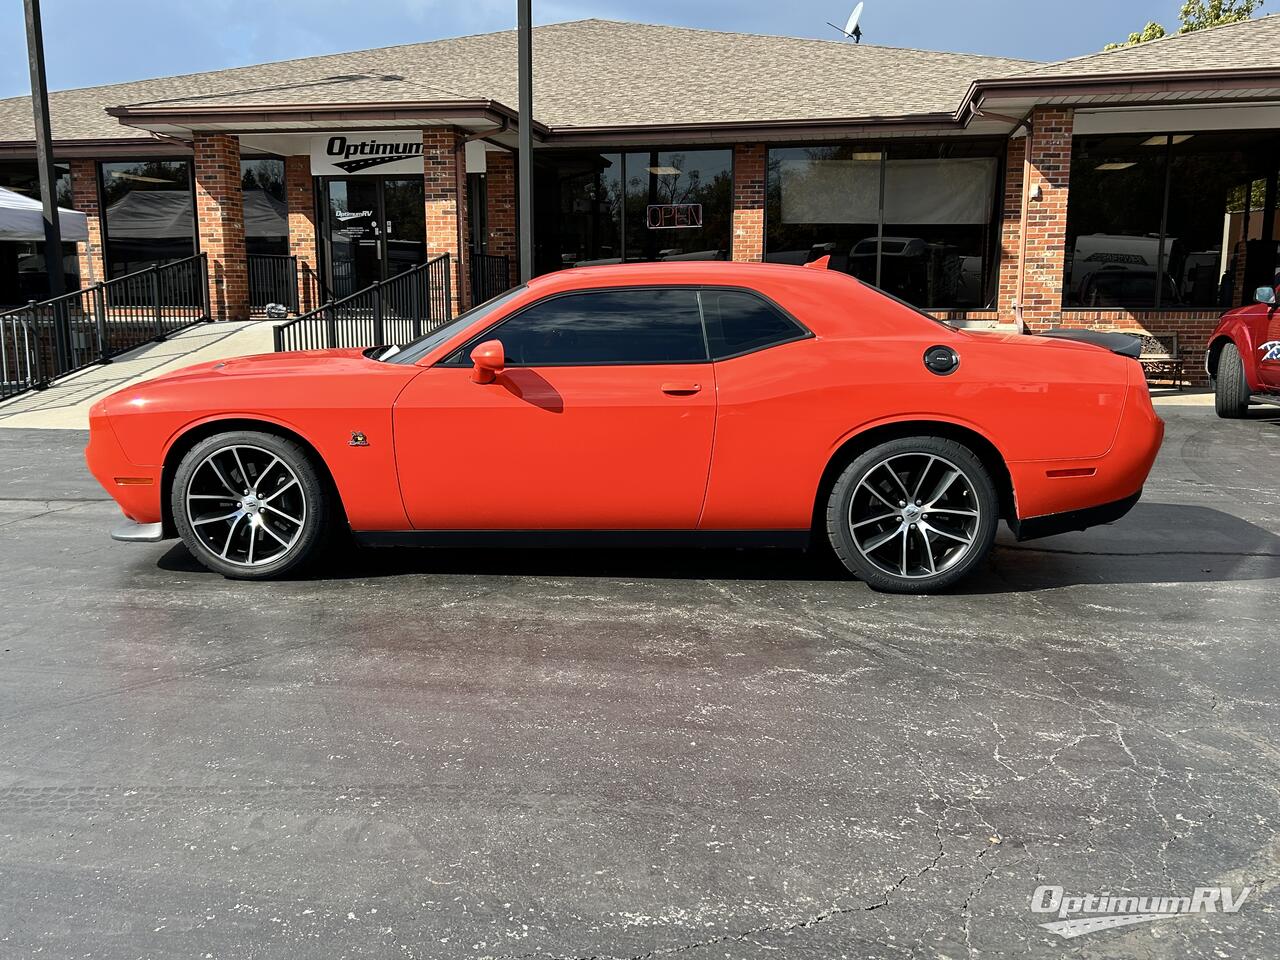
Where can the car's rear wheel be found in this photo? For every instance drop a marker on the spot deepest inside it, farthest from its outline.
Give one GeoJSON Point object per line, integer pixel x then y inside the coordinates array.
{"type": "Point", "coordinates": [1230, 388]}
{"type": "Point", "coordinates": [250, 505]}
{"type": "Point", "coordinates": [913, 515]}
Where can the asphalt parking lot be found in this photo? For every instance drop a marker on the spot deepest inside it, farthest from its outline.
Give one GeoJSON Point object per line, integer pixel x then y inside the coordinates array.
{"type": "Point", "coordinates": [625, 755]}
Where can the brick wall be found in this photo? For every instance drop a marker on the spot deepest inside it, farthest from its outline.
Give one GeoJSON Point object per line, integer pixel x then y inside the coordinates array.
{"type": "Point", "coordinates": [299, 188]}
{"type": "Point", "coordinates": [1011, 228]}
{"type": "Point", "coordinates": [748, 201]}
{"type": "Point", "coordinates": [220, 223]}
{"type": "Point", "coordinates": [500, 206]}
{"type": "Point", "coordinates": [445, 192]}
{"type": "Point", "coordinates": [1049, 168]}
{"type": "Point", "coordinates": [84, 197]}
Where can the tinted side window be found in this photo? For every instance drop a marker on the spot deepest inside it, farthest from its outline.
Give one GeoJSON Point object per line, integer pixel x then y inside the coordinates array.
{"type": "Point", "coordinates": [738, 322]}
{"type": "Point", "coordinates": [615, 326]}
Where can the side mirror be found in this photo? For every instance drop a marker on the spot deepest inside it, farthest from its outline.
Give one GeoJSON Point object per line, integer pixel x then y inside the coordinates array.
{"type": "Point", "coordinates": [489, 359]}
{"type": "Point", "coordinates": [1265, 295]}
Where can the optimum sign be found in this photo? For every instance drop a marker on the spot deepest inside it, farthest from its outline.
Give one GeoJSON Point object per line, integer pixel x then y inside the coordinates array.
{"type": "Point", "coordinates": [391, 151]}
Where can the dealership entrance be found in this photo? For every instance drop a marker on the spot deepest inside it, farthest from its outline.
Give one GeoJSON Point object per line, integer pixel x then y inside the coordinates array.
{"type": "Point", "coordinates": [374, 228]}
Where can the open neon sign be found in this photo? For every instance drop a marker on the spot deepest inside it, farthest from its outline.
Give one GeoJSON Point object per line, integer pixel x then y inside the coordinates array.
{"type": "Point", "coordinates": [673, 216]}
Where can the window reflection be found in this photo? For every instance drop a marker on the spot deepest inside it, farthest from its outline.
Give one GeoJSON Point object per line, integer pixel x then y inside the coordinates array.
{"type": "Point", "coordinates": [1113, 248]}
{"type": "Point", "coordinates": [1212, 241]}
{"type": "Point", "coordinates": [824, 201]}
{"type": "Point", "coordinates": [23, 275]}
{"type": "Point", "coordinates": [917, 220]}
{"type": "Point", "coordinates": [629, 326]}
{"type": "Point", "coordinates": [266, 215]}
{"type": "Point", "coordinates": [678, 205]}
{"type": "Point", "coordinates": [599, 208]}
{"type": "Point", "coordinates": [150, 213]}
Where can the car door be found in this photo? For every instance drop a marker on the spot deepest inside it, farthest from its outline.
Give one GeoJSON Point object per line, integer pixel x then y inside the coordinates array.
{"type": "Point", "coordinates": [1268, 346]}
{"type": "Point", "coordinates": [601, 420]}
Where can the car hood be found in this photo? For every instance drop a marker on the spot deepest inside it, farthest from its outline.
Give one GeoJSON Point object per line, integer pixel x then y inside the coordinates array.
{"type": "Point", "coordinates": [273, 364]}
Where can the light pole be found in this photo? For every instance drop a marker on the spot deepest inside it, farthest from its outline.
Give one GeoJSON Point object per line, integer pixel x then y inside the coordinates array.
{"type": "Point", "coordinates": [524, 179]}
{"type": "Point", "coordinates": [48, 176]}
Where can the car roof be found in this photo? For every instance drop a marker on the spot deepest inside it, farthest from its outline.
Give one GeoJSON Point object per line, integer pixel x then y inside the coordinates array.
{"type": "Point", "coordinates": [725, 272]}
{"type": "Point", "coordinates": [826, 301]}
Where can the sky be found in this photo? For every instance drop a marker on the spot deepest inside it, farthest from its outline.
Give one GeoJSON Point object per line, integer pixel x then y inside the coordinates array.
{"type": "Point", "coordinates": [88, 42]}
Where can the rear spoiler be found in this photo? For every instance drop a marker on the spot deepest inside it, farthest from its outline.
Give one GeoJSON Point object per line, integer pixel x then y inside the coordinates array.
{"type": "Point", "coordinates": [1124, 344]}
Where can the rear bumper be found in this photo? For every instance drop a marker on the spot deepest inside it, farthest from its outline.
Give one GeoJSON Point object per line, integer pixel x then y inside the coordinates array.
{"type": "Point", "coordinates": [1083, 519]}
{"type": "Point", "coordinates": [1090, 487]}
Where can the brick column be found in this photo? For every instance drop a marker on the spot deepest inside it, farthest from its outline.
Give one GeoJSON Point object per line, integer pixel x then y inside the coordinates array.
{"type": "Point", "coordinates": [299, 190]}
{"type": "Point", "coordinates": [445, 192]}
{"type": "Point", "coordinates": [748, 202]}
{"type": "Point", "coordinates": [500, 206]}
{"type": "Point", "coordinates": [84, 197]}
{"type": "Point", "coordinates": [1049, 168]}
{"type": "Point", "coordinates": [220, 219]}
{"type": "Point", "coordinates": [1011, 228]}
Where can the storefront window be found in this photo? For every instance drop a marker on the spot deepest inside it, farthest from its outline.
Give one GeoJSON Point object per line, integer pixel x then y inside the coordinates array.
{"type": "Point", "coordinates": [150, 213]}
{"type": "Point", "coordinates": [825, 201]}
{"type": "Point", "coordinates": [917, 220]}
{"type": "Point", "coordinates": [1194, 210]}
{"type": "Point", "coordinates": [623, 208]}
{"type": "Point", "coordinates": [23, 275]}
{"type": "Point", "coordinates": [266, 215]}
{"type": "Point", "coordinates": [678, 205]}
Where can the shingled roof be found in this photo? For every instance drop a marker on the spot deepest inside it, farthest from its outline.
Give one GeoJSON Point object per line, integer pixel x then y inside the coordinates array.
{"type": "Point", "coordinates": [1251, 44]}
{"type": "Point", "coordinates": [588, 73]}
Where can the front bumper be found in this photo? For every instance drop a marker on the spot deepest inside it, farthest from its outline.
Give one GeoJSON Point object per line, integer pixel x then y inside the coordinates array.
{"type": "Point", "coordinates": [139, 533]}
{"type": "Point", "coordinates": [135, 487]}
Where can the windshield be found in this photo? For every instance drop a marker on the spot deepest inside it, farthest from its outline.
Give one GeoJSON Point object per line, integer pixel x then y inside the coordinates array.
{"type": "Point", "coordinates": [413, 352]}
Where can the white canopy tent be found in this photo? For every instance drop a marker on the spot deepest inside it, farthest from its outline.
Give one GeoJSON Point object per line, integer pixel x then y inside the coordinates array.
{"type": "Point", "coordinates": [22, 218]}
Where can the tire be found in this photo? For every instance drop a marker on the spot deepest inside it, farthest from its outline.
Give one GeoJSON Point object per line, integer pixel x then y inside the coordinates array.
{"type": "Point", "coordinates": [872, 515]}
{"type": "Point", "coordinates": [273, 524]}
{"type": "Point", "coordinates": [1230, 388]}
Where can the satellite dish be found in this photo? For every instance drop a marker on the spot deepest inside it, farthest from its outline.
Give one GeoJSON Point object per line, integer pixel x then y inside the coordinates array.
{"type": "Point", "coordinates": [851, 28]}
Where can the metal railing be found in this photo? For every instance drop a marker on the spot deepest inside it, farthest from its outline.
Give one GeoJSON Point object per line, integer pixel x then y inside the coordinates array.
{"type": "Point", "coordinates": [48, 339]}
{"type": "Point", "coordinates": [395, 310]}
{"type": "Point", "coordinates": [273, 278]}
{"type": "Point", "coordinates": [490, 276]}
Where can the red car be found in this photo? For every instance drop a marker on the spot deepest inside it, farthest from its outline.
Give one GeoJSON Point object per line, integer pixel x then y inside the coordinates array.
{"type": "Point", "coordinates": [707, 403]}
{"type": "Point", "coordinates": [1243, 358]}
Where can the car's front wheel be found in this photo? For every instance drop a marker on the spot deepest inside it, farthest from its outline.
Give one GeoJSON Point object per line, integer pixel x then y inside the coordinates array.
{"type": "Point", "coordinates": [1230, 388]}
{"type": "Point", "coordinates": [913, 515]}
{"type": "Point", "coordinates": [250, 505]}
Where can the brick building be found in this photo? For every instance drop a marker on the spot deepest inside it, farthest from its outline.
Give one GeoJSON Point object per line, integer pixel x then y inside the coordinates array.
{"type": "Point", "coordinates": [1132, 189]}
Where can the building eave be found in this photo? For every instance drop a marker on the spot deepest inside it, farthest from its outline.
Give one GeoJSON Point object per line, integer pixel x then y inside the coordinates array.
{"type": "Point", "coordinates": [168, 117]}
{"type": "Point", "coordinates": [1065, 90]}
{"type": "Point", "coordinates": [932, 124]}
{"type": "Point", "coordinates": [97, 148]}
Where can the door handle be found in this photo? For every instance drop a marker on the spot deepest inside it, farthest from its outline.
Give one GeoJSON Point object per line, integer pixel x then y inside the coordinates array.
{"type": "Point", "coordinates": [681, 389]}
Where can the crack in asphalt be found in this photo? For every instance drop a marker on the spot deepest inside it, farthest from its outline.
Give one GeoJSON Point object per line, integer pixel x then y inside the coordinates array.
{"type": "Point", "coordinates": [49, 509]}
{"type": "Point", "coordinates": [783, 928]}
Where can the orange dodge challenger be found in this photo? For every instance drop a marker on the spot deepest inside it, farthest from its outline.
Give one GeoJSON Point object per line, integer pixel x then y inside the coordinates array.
{"type": "Point", "coordinates": [705, 403]}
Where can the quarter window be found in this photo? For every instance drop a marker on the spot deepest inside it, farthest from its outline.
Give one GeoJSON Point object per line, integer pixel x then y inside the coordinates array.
{"type": "Point", "coordinates": [616, 326]}
{"type": "Point", "coordinates": [738, 323]}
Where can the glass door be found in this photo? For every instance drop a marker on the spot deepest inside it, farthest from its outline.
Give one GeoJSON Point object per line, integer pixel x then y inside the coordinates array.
{"type": "Point", "coordinates": [404, 225]}
{"type": "Point", "coordinates": [375, 229]}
